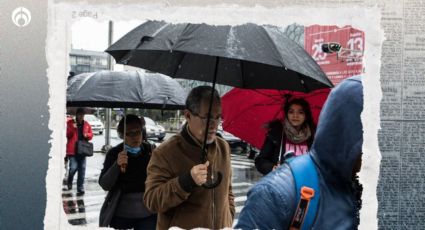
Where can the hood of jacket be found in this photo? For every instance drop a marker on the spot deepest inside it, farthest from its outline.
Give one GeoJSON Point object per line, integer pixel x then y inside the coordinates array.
{"type": "Point", "coordinates": [339, 135]}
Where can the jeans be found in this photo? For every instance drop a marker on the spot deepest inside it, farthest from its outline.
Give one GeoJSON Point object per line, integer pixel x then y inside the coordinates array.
{"type": "Point", "coordinates": [77, 164]}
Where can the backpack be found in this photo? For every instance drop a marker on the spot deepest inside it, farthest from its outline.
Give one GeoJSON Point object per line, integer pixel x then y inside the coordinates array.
{"type": "Point", "coordinates": [307, 189]}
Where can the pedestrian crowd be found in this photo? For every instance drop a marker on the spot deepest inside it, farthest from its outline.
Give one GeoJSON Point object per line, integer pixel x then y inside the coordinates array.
{"type": "Point", "coordinates": [186, 181]}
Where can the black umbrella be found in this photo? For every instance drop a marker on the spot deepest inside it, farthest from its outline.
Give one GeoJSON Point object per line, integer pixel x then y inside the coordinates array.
{"type": "Point", "coordinates": [125, 89]}
{"type": "Point", "coordinates": [244, 56]}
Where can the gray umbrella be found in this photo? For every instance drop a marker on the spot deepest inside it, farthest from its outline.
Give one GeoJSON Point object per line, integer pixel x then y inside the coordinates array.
{"type": "Point", "coordinates": [244, 56]}
{"type": "Point", "coordinates": [125, 89]}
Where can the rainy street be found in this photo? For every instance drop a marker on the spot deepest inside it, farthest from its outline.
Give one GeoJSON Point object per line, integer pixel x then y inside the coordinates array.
{"type": "Point", "coordinates": [202, 58]}
{"type": "Point", "coordinates": [84, 210]}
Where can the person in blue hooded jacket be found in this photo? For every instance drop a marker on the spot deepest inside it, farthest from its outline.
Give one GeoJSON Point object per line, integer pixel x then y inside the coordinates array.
{"type": "Point", "coordinates": [336, 152]}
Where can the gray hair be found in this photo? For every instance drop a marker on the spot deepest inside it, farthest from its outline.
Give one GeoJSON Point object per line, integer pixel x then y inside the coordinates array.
{"type": "Point", "coordinates": [199, 94]}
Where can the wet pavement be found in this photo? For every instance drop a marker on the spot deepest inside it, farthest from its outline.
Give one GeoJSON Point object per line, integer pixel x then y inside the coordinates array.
{"type": "Point", "coordinates": [84, 209]}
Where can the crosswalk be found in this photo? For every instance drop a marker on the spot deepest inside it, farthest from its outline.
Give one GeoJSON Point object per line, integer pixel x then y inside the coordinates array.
{"type": "Point", "coordinates": [244, 177]}
{"type": "Point", "coordinates": [84, 210]}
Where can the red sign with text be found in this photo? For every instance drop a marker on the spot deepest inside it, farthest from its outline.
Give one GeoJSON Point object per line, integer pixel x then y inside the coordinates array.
{"type": "Point", "coordinates": [337, 65]}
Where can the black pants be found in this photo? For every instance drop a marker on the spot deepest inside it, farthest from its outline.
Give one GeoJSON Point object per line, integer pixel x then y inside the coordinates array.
{"type": "Point", "coordinates": [136, 224]}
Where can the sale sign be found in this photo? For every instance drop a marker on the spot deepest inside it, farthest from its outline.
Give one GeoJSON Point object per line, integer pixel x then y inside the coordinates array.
{"type": "Point", "coordinates": [345, 60]}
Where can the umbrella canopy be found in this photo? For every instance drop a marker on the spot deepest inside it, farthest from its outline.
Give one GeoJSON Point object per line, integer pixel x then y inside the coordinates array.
{"type": "Point", "coordinates": [244, 56]}
{"type": "Point", "coordinates": [257, 107]}
{"type": "Point", "coordinates": [125, 89]}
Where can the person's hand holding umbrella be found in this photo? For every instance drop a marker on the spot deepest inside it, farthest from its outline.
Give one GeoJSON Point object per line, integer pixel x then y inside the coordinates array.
{"type": "Point", "coordinates": [199, 173]}
{"type": "Point", "coordinates": [122, 160]}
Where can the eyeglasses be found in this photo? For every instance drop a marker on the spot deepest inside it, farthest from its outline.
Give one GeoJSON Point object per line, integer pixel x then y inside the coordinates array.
{"type": "Point", "coordinates": [204, 119]}
{"type": "Point", "coordinates": [133, 133]}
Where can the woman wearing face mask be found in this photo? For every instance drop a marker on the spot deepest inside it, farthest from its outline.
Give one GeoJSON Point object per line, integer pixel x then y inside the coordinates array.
{"type": "Point", "coordinates": [294, 133]}
{"type": "Point", "coordinates": [123, 176]}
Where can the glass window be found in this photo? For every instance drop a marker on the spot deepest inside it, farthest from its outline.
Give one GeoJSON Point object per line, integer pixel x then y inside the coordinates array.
{"type": "Point", "coordinates": [73, 60]}
{"type": "Point", "coordinates": [98, 61]}
{"type": "Point", "coordinates": [83, 69]}
{"type": "Point", "coordinates": [104, 62]}
{"type": "Point", "coordinates": [83, 60]}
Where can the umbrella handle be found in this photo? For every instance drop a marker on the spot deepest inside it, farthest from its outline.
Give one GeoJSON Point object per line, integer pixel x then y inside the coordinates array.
{"type": "Point", "coordinates": [287, 96]}
{"type": "Point", "coordinates": [279, 158]}
{"type": "Point", "coordinates": [123, 168]}
{"type": "Point", "coordinates": [215, 183]}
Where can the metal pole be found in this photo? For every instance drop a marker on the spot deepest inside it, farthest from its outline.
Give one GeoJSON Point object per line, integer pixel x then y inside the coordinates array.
{"type": "Point", "coordinates": [178, 120]}
{"type": "Point", "coordinates": [107, 145]}
{"type": "Point", "coordinates": [124, 166]}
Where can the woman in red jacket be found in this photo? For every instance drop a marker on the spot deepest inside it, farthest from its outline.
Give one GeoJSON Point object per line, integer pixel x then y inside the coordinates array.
{"type": "Point", "coordinates": [77, 130]}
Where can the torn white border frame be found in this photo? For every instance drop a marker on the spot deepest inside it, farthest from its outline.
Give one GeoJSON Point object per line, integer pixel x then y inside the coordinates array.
{"type": "Point", "coordinates": [58, 47]}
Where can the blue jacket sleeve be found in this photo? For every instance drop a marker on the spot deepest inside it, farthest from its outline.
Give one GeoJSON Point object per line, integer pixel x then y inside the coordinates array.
{"type": "Point", "coordinates": [270, 203]}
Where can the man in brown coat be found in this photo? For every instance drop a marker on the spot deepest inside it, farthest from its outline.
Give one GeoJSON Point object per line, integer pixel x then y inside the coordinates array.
{"type": "Point", "coordinates": [175, 172]}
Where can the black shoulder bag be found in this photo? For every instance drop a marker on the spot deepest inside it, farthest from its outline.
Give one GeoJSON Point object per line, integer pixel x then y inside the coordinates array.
{"type": "Point", "coordinates": [84, 148]}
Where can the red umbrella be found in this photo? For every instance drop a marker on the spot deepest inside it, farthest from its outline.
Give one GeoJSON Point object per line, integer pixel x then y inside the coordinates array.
{"type": "Point", "coordinates": [246, 111]}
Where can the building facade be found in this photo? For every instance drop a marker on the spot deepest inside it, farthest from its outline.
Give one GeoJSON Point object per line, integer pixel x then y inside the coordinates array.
{"type": "Point", "coordinates": [83, 61]}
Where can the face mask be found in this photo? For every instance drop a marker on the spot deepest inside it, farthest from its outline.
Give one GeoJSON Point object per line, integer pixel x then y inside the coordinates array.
{"type": "Point", "coordinates": [132, 150]}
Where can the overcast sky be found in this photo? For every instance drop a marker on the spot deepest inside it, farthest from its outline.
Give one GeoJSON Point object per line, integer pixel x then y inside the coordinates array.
{"type": "Point", "coordinates": [91, 34]}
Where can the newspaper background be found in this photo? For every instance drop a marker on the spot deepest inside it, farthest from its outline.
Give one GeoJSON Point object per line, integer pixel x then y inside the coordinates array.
{"type": "Point", "coordinates": [402, 107]}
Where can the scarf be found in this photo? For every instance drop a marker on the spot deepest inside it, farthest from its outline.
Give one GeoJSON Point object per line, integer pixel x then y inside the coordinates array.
{"type": "Point", "coordinates": [294, 135]}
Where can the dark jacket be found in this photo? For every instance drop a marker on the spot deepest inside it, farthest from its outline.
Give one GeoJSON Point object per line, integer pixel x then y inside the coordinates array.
{"type": "Point", "coordinates": [337, 146]}
{"type": "Point", "coordinates": [111, 175]}
{"type": "Point", "coordinates": [116, 183]}
{"type": "Point", "coordinates": [269, 153]}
